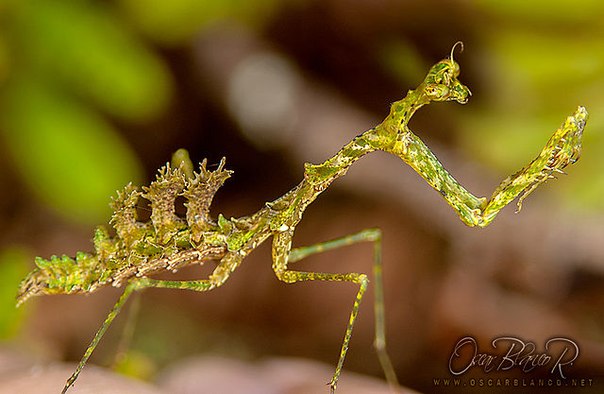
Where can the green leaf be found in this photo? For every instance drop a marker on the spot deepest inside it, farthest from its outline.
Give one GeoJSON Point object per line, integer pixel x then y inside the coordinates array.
{"type": "Point", "coordinates": [70, 157]}
{"type": "Point", "coordinates": [84, 46]}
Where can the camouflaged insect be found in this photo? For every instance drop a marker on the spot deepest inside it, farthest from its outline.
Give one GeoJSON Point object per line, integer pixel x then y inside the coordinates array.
{"type": "Point", "coordinates": [168, 242]}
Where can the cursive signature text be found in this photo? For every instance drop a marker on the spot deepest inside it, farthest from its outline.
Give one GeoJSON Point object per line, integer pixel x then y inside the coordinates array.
{"type": "Point", "coordinates": [507, 353]}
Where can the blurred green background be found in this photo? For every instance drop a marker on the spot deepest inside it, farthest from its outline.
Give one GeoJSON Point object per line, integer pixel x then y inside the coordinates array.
{"type": "Point", "coordinates": [97, 94]}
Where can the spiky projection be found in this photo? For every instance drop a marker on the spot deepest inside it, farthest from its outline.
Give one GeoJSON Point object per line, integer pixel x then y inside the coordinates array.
{"type": "Point", "coordinates": [138, 248]}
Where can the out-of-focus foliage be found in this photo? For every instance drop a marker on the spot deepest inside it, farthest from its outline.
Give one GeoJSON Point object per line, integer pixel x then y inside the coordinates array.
{"type": "Point", "coordinates": [93, 56]}
{"type": "Point", "coordinates": [172, 22]}
{"type": "Point", "coordinates": [14, 264]}
{"type": "Point", "coordinates": [67, 153]}
{"type": "Point", "coordinates": [69, 64]}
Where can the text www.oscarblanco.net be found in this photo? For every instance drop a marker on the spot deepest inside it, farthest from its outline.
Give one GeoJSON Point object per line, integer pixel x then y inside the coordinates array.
{"type": "Point", "coordinates": [502, 382]}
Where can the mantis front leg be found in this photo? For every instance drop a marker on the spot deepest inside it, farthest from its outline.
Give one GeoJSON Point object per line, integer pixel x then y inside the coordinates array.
{"type": "Point", "coordinates": [283, 254]}
{"type": "Point", "coordinates": [562, 149]}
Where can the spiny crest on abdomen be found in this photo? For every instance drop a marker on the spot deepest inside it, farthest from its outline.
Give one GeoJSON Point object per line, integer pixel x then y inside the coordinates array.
{"type": "Point", "coordinates": [138, 247]}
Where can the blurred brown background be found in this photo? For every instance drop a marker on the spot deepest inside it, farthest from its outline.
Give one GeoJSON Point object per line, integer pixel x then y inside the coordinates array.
{"type": "Point", "coordinates": [96, 94]}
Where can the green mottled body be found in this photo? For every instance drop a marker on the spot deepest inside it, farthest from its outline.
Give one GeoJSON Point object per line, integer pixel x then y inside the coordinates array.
{"type": "Point", "coordinates": [165, 243]}
{"type": "Point", "coordinates": [168, 242]}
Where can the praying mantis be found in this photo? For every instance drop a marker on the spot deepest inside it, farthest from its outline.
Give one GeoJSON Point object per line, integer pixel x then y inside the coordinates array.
{"type": "Point", "coordinates": [168, 242]}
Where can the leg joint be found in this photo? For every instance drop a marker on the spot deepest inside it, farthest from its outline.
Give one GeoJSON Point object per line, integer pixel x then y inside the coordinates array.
{"type": "Point", "coordinates": [372, 234]}
{"type": "Point", "coordinates": [286, 276]}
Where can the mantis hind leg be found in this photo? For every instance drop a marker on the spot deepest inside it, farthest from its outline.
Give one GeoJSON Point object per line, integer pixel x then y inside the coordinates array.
{"type": "Point", "coordinates": [95, 341]}
{"type": "Point", "coordinates": [123, 347]}
{"type": "Point", "coordinates": [283, 254]}
{"type": "Point", "coordinates": [220, 274]}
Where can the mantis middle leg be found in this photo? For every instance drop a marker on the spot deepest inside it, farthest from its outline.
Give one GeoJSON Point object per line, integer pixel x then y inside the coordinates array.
{"type": "Point", "coordinates": [283, 254]}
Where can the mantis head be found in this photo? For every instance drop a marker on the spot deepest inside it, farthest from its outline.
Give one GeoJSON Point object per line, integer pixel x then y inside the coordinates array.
{"type": "Point", "coordinates": [441, 83]}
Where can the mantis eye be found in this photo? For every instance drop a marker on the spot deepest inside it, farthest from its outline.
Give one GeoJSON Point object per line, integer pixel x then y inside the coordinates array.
{"type": "Point", "coordinates": [437, 92]}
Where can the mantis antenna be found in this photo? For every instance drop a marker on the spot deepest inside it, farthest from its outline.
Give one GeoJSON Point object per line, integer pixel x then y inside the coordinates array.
{"type": "Point", "coordinates": [458, 43]}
